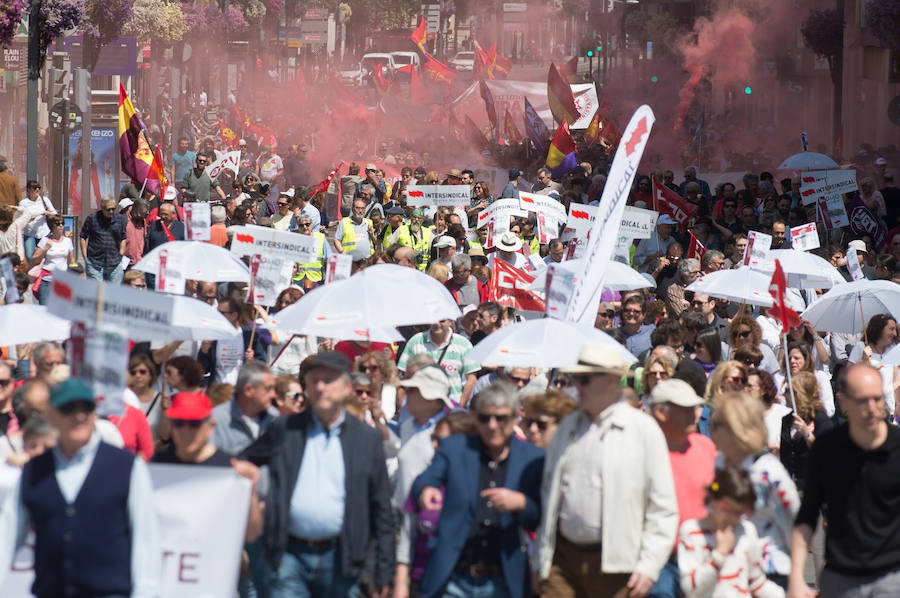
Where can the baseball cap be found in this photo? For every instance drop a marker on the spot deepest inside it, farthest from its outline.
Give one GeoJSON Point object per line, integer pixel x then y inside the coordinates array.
{"type": "Point", "coordinates": [242, 142]}
{"type": "Point", "coordinates": [70, 390]}
{"type": "Point", "coordinates": [445, 241]}
{"type": "Point", "coordinates": [371, 166]}
{"type": "Point", "coordinates": [395, 211]}
{"type": "Point", "coordinates": [859, 245]}
{"type": "Point", "coordinates": [171, 194]}
{"type": "Point", "coordinates": [675, 391]}
{"type": "Point", "coordinates": [432, 383]}
{"type": "Point", "coordinates": [331, 360]}
{"type": "Point", "coordinates": [287, 192]}
{"type": "Point", "coordinates": [514, 173]}
{"type": "Point", "coordinates": [190, 405]}
{"type": "Point", "coordinates": [125, 202]}
{"type": "Point", "coordinates": [665, 219]}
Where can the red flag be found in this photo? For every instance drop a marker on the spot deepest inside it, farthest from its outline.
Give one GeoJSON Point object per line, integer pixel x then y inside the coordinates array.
{"type": "Point", "coordinates": [696, 248]}
{"type": "Point", "coordinates": [510, 131]}
{"type": "Point", "coordinates": [666, 201]}
{"type": "Point", "coordinates": [436, 71]}
{"type": "Point", "coordinates": [789, 318]}
{"type": "Point", "coordinates": [420, 35]}
{"type": "Point", "coordinates": [322, 187]}
{"type": "Point", "coordinates": [418, 93]}
{"type": "Point", "coordinates": [559, 95]}
{"type": "Point", "coordinates": [381, 83]}
{"type": "Point", "coordinates": [482, 68]}
{"type": "Point", "coordinates": [508, 288]}
{"type": "Point", "coordinates": [229, 138]}
{"type": "Point", "coordinates": [157, 168]}
{"type": "Point", "coordinates": [592, 133]}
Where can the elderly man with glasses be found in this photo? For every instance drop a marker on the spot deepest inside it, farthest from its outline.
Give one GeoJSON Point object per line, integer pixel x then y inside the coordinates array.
{"type": "Point", "coordinates": [487, 487]}
{"type": "Point", "coordinates": [103, 242]}
{"type": "Point", "coordinates": [309, 274]}
{"type": "Point", "coordinates": [609, 509]}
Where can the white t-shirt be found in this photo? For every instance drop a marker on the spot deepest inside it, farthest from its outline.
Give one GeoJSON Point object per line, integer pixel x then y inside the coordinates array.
{"type": "Point", "coordinates": [57, 256]}
{"type": "Point", "coordinates": [269, 168]}
{"type": "Point", "coordinates": [37, 225]}
{"type": "Point", "coordinates": [773, 423]}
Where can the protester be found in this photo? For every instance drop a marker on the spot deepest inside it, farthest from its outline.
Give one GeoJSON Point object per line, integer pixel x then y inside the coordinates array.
{"type": "Point", "coordinates": [103, 242]}
{"type": "Point", "coordinates": [449, 350]}
{"type": "Point", "coordinates": [54, 252]}
{"type": "Point", "coordinates": [543, 412]}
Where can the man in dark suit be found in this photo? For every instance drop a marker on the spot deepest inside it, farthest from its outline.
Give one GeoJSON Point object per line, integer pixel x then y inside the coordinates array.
{"type": "Point", "coordinates": [165, 229]}
{"type": "Point", "coordinates": [492, 491]}
{"type": "Point", "coordinates": [329, 496]}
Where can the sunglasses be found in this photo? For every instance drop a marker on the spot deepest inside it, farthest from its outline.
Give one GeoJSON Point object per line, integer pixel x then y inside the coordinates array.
{"type": "Point", "coordinates": [281, 204]}
{"type": "Point", "coordinates": [305, 224]}
{"type": "Point", "coordinates": [369, 368]}
{"type": "Point", "coordinates": [5, 382]}
{"type": "Point", "coordinates": [540, 423]}
{"type": "Point", "coordinates": [608, 313]}
{"type": "Point", "coordinates": [745, 333]}
{"type": "Point", "coordinates": [485, 418]}
{"type": "Point", "coordinates": [360, 392]}
{"type": "Point", "coordinates": [189, 423]}
{"type": "Point", "coordinates": [77, 407]}
{"type": "Point", "coordinates": [136, 371]}
{"type": "Point", "coordinates": [737, 380]}
{"type": "Point", "coordinates": [519, 380]}
{"type": "Point", "coordinates": [225, 313]}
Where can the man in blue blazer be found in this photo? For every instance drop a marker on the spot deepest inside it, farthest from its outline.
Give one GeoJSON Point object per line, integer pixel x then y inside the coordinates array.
{"type": "Point", "coordinates": [488, 489]}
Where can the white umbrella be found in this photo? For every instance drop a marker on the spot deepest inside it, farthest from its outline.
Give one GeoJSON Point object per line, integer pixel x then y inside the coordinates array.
{"type": "Point", "coordinates": [619, 276]}
{"type": "Point", "coordinates": [808, 161]}
{"type": "Point", "coordinates": [199, 261]}
{"type": "Point", "coordinates": [544, 343]}
{"type": "Point", "coordinates": [742, 285]}
{"type": "Point", "coordinates": [21, 323]}
{"type": "Point", "coordinates": [845, 307]}
{"type": "Point", "coordinates": [339, 331]}
{"type": "Point", "coordinates": [803, 270]}
{"type": "Point", "coordinates": [194, 320]}
{"type": "Point", "coordinates": [372, 300]}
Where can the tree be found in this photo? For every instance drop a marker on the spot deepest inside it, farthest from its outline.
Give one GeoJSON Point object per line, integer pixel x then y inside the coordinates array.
{"type": "Point", "coordinates": [156, 20]}
{"type": "Point", "coordinates": [823, 32]}
{"type": "Point", "coordinates": [103, 22]}
{"type": "Point", "coordinates": [883, 19]}
{"type": "Point", "coordinates": [11, 13]}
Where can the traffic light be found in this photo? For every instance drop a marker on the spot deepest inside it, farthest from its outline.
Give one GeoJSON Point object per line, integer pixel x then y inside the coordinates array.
{"type": "Point", "coordinates": [590, 53]}
{"type": "Point", "coordinates": [654, 79]}
{"type": "Point", "coordinates": [598, 49]}
{"type": "Point", "coordinates": [748, 90]}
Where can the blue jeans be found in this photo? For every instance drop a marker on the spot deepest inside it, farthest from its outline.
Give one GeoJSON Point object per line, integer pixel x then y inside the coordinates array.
{"type": "Point", "coordinates": [44, 291]}
{"type": "Point", "coordinates": [668, 585]}
{"type": "Point", "coordinates": [30, 245]}
{"type": "Point", "coordinates": [466, 586]}
{"type": "Point", "coordinates": [259, 584]}
{"type": "Point", "coordinates": [307, 572]}
{"type": "Point", "coordinates": [113, 275]}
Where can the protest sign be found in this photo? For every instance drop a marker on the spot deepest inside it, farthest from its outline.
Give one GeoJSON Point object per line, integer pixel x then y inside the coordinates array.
{"type": "Point", "coordinates": [553, 210]}
{"type": "Point", "coordinates": [500, 212]}
{"type": "Point", "coordinates": [853, 264]}
{"type": "Point", "coordinates": [666, 201]}
{"type": "Point", "coordinates": [804, 237]}
{"type": "Point", "coordinates": [560, 284]}
{"type": "Point", "coordinates": [586, 295]}
{"type": "Point", "coordinates": [638, 223]}
{"type": "Point", "coordinates": [202, 514]}
{"type": "Point", "coordinates": [100, 358]}
{"type": "Point", "coordinates": [833, 212]}
{"type": "Point", "coordinates": [438, 195]}
{"type": "Point", "coordinates": [230, 160]}
{"type": "Point", "coordinates": [828, 184]}
{"type": "Point", "coordinates": [142, 314]}
{"type": "Point", "coordinates": [272, 274]}
{"type": "Point", "coordinates": [509, 288]}
{"type": "Point", "coordinates": [542, 232]}
{"type": "Point", "coordinates": [197, 220]}
{"type": "Point", "coordinates": [250, 240]}
{"type": "Point", "coordinates": [756, 252]}
{"type": "Point", "coordinates": [9, 280]}
{"type": "Point", "coordinates": [170, 274]}
{"type": "Point", "coordinates": [338, 267]}
{"type": "Point", "coordinates": [581, 217]}
{"type": "Point", "coordinates": [864, 222]}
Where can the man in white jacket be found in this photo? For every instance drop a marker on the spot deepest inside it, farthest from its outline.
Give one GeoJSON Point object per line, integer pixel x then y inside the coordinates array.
{"type": "Point", "coordinates": [610, 516]}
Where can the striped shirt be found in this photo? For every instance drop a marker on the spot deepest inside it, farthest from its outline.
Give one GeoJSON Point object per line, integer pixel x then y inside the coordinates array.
{"type": "Point", "coordinates": [450, 359]}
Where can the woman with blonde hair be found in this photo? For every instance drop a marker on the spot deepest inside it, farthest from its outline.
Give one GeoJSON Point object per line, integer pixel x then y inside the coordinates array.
{"type": "Point", "coordinates": [657, 369]}
{"type": "Point", "coordinates": [543, 413]}
{"type": "Point", "coordinates": [382, 371]}
{"type": "Point", "coordinates": [729, 376]}
{"type": "Point", "coordinates": [738, 428]}
{"type": "Point", "coordinates": [744, 330]}
{"type": "Point", "coordinates": [439, 271]}
{"type": "Point", "coordinates": [800, 428]}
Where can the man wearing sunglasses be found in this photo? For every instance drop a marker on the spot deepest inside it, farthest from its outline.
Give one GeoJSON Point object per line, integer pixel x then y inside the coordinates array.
{"type": "Point", "coordinates": [103, 242]}
{"type": "Point", "coordinates": [609, 510]}
{"type": "Point", "coordinates": [491, 494]}
{"type": "Point", "coordinates": [91, 506]}
{"type": "Point", "coordinates": [199, 182]}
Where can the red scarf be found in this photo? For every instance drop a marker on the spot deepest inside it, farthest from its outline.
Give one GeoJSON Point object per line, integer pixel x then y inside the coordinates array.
{"type": "Point", "coordinates": [166, 230]}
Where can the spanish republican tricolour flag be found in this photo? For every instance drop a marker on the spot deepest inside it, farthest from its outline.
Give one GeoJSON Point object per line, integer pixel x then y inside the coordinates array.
{"type": "Point", "coordinates": [561, 155]}
{"type": "Point", "coordinates": [137, 157]}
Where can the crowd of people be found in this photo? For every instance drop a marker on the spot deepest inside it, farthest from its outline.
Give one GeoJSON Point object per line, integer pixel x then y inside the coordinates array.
{"type": "Point", "coordinates": [713, 465]}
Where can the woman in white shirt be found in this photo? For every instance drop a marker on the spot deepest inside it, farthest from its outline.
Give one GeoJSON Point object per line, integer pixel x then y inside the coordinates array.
{"type": "Point", "coordinates": [800, 359]}
{"type": "Point", "coordinates": [12, 225]}
{"type": "Point", "coordinates": [881, 332]}
{"type": "Point", "coordinates": [38, 209]}
{"type": "Point", "coordinates": [57, 251]}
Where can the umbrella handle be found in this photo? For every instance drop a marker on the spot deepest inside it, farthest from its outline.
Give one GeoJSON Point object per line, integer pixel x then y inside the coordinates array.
{"type": "Point", "coordinates": [862, 317]}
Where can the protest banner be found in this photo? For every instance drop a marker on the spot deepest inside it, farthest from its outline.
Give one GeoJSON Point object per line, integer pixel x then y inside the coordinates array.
{"type": "Point", "coordinates": [438, 195]}
{"type": "Point", "coordinates": [833, 212]}
{"type": "Point", "coordinates": [666, 201]}
{"type": "Point", "coordinates": [202, 514]}
{"type": "Point", "coordinates": [828, 184]}
{"type": "Point", "coordinates": [554, 211]}
{"type": "Point", "coordinates": [251, 239]}
{"type": "Point", "coordinates": [272, 274]}
{"type": "Point", "coordinates": [756, 252]}
{"type": "Point", "coordinates": [804, 237]}
{"type": "Point", "coordinates": [338, 267]}
{"type": "Point", "coordinates": [638, 223]}
{"type": "Point", "coordinates": [560, 285]}
{"type": "Point", "coordinates": [170, 274]}
{"type": "Point", "coordinates": [230, 160]}
{"type": "Point", "coordinates": [509, 288]}
{"type": "Point", "coordinates": [142, 314]}
{"type": "Point", "coordinates": [197, 220]}
{"type": "Point", "coordinates": [864, 222]}
{"type": "Point", "coordinates": [604, 233]}
{"type": "Point", "coordinates": [500, 213]}
{"type": "Point", "coordinates": [581, 217]}
{"type": "Point", "coordinates": [100, 358]}
{"type": "Point", "coordinates": [853, 264]}
{"type": "Point", "coordinates": [11, 294]}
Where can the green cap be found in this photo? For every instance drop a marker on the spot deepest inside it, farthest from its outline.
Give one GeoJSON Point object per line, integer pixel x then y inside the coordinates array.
{"type": "Point", "coordinates": [72, 389]}
{"type": "Point", "coordinates": [417, 212]}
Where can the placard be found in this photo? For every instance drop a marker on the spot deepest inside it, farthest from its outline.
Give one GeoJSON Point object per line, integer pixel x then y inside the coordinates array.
{"type": "Point", "coordinates": [828, 184]}
{"type": "Point", "coordinates": [251, 239]}
{"type": "Point", "coordinates": [101, 359]}
{"type": "Point", "coordinates": [197, 220]}
{"type": "Point", "coordinates": [273, 275]}
{"type": "Point", "coordinates": [756, 252]}
{"type": "Point", "coordinates": [339, 267]}
{"type": "Point", "coordinates": [500, 213]}
{"type": "Point", "coordinates": [560, 285]}
{"type": "Point", "coordinates": [438, 195]}
{"type": "Point", "coordinates": [833, 213]}
{"type": "Point", "coordinates": [804, 237]}
{"type": "Point", "coordinates": [170, 273]}
{"type": "Point", "coordinates": [551, 208]}
{"type": "Point", "coordinates": [229, 160]}
{"type": "Point", "coordinates": [638, 223]}
{"type": "Point", "coordinates": [853, 264]}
